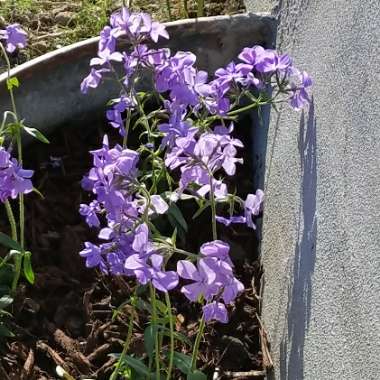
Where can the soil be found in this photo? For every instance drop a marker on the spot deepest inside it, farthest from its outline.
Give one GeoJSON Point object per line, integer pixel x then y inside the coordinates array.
{"type": "Point", "coordinates": [65, 318]}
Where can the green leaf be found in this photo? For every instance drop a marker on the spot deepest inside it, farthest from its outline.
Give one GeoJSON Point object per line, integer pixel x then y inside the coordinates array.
{"type": "Point", "coordinates": [5, 301]}
{"type": "Point", "coordinates": [178, 336]}
{"type": "Point", "coordinates": [5, 332]}
{"type": "Point", "coordinates": [6, 241]}
{"type": "Point", "coordinates": [12, 82]}
{"type": "Point", "coordinates": [176, 213]}
{"type": "Point", "coordinates": [36, 134]}
{"type": "Point", "coordinates": [27, 266]}
{"type": "Point", "coordinates": [149, 340]}
{"type": "Point", "coordinates": [196, 375]}
{"type": "Point", "coordinates": [137, 365]}
{"type": "Point", "coordinates": [201, 209]}
{"type": "Point", "coordinates": [162, 308]}
{"type": "Point", "coordinates": [182, 362]}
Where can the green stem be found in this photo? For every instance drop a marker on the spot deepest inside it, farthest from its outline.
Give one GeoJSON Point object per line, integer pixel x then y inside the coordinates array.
{"type": "Point", "coordinates": [213, 208]}
{"type": "Point", "coordinates": [154, 323]}
{"type": "Point", "coordinates": [18, 258]}
{"type": "Point", "coordinates": [197, 343]}
{"type": "Point", "coordinates": [11, 219]}
{"type": "Point", "coordinates": [168, 6]}
{"type": "Point", "coordinates": [201, 6]}
{"type": "Point", "coordinates": [16, 276]}
{"type": "Point", "coordinates": [127, 124]}
{"type": "Point", "coordinates": [127, 343]}
{"type": "Point", "coordinates": [8, 77]}
{"type": "Point", "coordinates": [186, 8]}
{"type": "Point", "coordinates": [246, 108]}
{"type": "Point", "coordinates": [214, 236]}
{"type": "Point", "coordinates": [171, 326]}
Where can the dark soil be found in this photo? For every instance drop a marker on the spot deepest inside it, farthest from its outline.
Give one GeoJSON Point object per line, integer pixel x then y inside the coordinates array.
{"type": "Point", "coordinates": [66, 317]}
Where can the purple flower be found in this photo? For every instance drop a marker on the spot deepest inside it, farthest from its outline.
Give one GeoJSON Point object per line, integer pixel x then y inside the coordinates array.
{"type": "Point", "coordinates": [176, 127]}
{"type": "Point", "coordinates": [15, 37]}
{"type": "Point", "coordinates": [107, 40]}
{"type": "Point", "coordinates": [204, 280]}
{"type": "Point", "coordinates": [140, 240]}
{"type": "Point", "coordinates": [215, 311]}
{"type": "Point", "coordinates": [252, 206]}
{"type": "Point", "coordinates": [89, 211]}
{"type": "Point", "coordinates": [92, 80]}
{"type": "Point", "coordinates": [217, 249]}
{"type": "Point", "coordinates": [93, 255]}
{"type": "Point", "coordinates": [154, 28]}
{"type": "Point", "coordinates": [299, 96]}
{"type": "Point", "coordinates": [251, 55]}
{"type": "Point", "coordinates": [158, 204]}
{"type": "Point", "coordinates": [231, 220]}
{"type": "Point", "coordinates": [232, 288]}
{"type": "Point", "coordinates": [232, 73]}
{"type": "Point", "coordinates": [269, 61]}
{"type": "Point", "coordinates": [106, 57]}
{"type": "Point", "coordinates": [161, 280]}
{"type": "Point", "coordinates": [14, 180]}
{"type": "Point", "coordinates": [114, 115]}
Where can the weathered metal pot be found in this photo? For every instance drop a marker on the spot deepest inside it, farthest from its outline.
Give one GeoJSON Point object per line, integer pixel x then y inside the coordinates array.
{"type": "Point", "coordinates": [50, 97]}
{"type": "Point", "coordinates": [49, 94]}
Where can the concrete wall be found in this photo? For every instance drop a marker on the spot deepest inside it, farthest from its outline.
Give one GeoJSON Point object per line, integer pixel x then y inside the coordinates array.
{"type": "Point", "coordinates": [321, 230]}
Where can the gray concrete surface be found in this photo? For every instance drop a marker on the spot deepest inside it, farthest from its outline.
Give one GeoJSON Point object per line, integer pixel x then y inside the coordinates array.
{"type": "Point", "coordinates": [321, 229]}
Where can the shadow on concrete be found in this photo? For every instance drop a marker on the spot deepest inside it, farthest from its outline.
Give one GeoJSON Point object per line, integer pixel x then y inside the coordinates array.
{"type": "Point", "coordinates": [300, 294]}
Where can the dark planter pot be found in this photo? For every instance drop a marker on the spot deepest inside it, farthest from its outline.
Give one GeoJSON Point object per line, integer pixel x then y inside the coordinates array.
{"type": "Point", "coordinates": [49, 96]}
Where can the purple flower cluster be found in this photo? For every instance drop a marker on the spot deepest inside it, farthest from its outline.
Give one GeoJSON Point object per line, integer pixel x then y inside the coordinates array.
{"type": "Point", "coordinates": [128, 249]}
{"type": "Point", "coordinates": [14, 180]}
{"type": "Point", "coordinates": [213, 280]}
{"type": "Point", "coordinates": [14, 36]}
{"type": "Point", "coordinates": [200, 157]}
{"type": "Point", "coordinates": [192, 141]}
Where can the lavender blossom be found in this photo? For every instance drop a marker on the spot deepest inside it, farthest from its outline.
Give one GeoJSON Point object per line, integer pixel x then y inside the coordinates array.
{"type": "Point", "coordinates": [92, 80]}
{"type": "Point", "coordinates": [14, 180]}
{"type": "Point", "coordinates": [215, 311]}
{"type": "Point", "coordinates": [14, 36]}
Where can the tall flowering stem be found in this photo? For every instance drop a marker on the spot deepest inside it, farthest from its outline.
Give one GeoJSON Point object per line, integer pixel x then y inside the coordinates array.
{"type": "Point", "coordinates": [14, 37]}
{"type": "Point", "coordinates": [171, 327]}
{"type": "Point", "coordinates": [11, 219]}
{"type": "Point", "coordinates": [155, 329]}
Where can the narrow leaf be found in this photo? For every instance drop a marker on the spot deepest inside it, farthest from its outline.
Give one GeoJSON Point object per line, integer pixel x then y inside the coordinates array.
{"type": "Point", "coordinates": [149, 340]}
{"type": "Point", "coordinates": [137, 365]}
{"type": "Point", "coordinates": [27, 266]}
{"type": "Point", "coordinates": [176, 213]}
{"type": "Point", "coordinates": [5, 332]}
{"type": "Point", "coordinates": [196, 375]}
{"type": "Point", "coordinates": [182, 362]}
{"type": "Point", "coordinates": [6, 241]}
{"type": "Point", "coordinates": [36, 134]}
